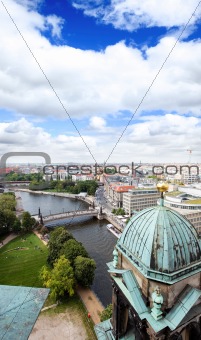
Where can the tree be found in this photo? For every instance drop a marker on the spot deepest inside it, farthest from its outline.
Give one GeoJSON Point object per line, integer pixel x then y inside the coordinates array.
{"type": "Point", "coordinates": [60, 279]}
{"type": "Point", "coordinates": [57, 239]}
{"type": "Point", "coordinates": [28, 222]}
{"type": "Point", "coordinates": [119, 211]}
{"type": "Point", "coordinates": [7, 201]}
{"type": "Point", "coordinates": [16, 226]}
{"type": "Point", "coordinates": [107, 313]}
{"type": "Point", "coordinates": [7, 219]}
{"type": "Point", "coordinates": [71, 249]}
{"type": "Point", "coordinates": [84, 270]}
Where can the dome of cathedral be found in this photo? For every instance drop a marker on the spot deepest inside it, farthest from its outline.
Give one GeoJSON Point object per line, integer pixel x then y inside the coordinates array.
{"type": "Point", "coordinates": [161, 243]}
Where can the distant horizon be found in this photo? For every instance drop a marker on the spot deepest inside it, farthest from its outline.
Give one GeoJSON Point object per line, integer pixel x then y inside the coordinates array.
{"type": "Point", "coordinates": [108, 164]}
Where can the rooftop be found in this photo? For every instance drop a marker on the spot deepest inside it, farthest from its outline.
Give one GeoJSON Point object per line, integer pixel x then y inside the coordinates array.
{"type": "Point", "coordinates": [19, 310]}
{"type": "Point", "coordinates": [161, 244]}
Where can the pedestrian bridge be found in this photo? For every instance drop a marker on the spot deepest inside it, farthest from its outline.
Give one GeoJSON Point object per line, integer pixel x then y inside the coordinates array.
{"type": "Point", "coordinates": [69, 214]}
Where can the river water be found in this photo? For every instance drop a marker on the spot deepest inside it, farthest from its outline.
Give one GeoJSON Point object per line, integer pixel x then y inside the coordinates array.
{"type": "Point", "coordinates": [97, 240]}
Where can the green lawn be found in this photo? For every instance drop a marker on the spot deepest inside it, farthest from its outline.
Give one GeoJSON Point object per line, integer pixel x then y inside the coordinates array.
{"type": "Point", "coordinates": [21, 267]}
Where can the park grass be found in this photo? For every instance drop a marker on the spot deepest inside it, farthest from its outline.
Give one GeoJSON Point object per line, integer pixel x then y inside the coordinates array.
{"type": "Point", "coordinates": [21, 267]}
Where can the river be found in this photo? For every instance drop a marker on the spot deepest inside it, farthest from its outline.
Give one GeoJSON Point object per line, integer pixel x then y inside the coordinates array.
{"type": "Point", "coordinates": [97, 240]}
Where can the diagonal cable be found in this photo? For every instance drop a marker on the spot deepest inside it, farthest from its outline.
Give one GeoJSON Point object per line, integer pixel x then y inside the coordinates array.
{"type": "Point", "coordinates": [49, 82]}
{"type": "Point", "coordinates": [153, 81]}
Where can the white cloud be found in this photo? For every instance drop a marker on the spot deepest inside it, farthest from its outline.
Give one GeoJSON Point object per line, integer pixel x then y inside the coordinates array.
{"type": "Point", "coordinates": [30, 4]}
{"type": "Point", "coordinates": [91, 83]}
{"type": "Point", "coordinates": [97, 123]}
{"type": "Point", "coordinates": [156, 139]}
{"type": "Point", "coordinates": [132, 14]}
{"type": "Point", "coordinates": [56, 25]}
{"type": "Point", "coordinates": [95, 84]}
{"type": "Point", "coordinates": [21, 135]}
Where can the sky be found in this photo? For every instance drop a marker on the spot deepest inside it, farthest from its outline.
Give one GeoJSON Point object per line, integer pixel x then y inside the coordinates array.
{"type": "Point", "coordinates": [110, 81]}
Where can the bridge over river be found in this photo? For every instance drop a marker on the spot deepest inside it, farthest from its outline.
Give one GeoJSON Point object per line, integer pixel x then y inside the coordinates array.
{"type": "Point", "coordinates": [69, 214]}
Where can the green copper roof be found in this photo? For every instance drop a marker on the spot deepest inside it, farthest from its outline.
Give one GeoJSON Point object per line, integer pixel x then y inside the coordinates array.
{"type": "Point", "coordinates": [183, 305]}
{"type": "Point", "coordinates": [19, 310]}
{"type": "Point", "coordinates": [160, 242]}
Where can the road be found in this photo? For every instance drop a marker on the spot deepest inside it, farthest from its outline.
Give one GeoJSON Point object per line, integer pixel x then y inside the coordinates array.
{"type": "Point", "coordinates": [101, 200]}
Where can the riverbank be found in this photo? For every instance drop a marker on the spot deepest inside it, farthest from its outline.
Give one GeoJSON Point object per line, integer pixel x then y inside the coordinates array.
{"type": "Point", "coordinates": [19, 206]}
{"type": "Point", "coordinates": [89, 199]}
{"type": "Point", "coordinates": [89, 299]}
{"type": "Point", "coordinates": [91, 232]}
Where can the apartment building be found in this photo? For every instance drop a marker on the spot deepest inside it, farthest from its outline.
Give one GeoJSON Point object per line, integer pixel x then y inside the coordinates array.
{"type": "Point", "coordinates": [139, 199]}
{"type": "Point", "coordinates": [116, 191]}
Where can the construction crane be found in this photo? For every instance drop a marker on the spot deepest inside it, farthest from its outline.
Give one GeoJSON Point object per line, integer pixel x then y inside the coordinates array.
{"type": "Point", "coordinates": [190, 153]}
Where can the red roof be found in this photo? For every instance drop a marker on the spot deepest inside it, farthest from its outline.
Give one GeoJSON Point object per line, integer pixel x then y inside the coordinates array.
{"type": "Point", "coordinates": [123, 188]}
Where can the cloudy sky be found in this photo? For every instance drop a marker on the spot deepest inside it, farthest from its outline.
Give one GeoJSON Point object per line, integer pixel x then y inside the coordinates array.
{"type": "Point", "coordinates": [107, 80]}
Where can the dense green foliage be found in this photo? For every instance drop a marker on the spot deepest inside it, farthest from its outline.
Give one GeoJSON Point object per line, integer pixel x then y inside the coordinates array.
{"type": "Point", "coordinates": [71, 249]}
{"type": "Point", "coordinates": [119, 211]}
{"type": "Point", "coordinates": [84, 270]}
{"type": "Point", "coordinates": [107, 313]}
{"type": "Point", "coordinates": [7, 201]}
{"type": "Point", "coordinates": [57, 239]}
{"type": "Point", "coordinates": [74, 187]}
{"type": "Point", "coordinates": [83, 186]}
{"type": "Point", "coordinates": [62, 243]}
{"type": "Point", "coordinates": [66, 186]}
{"type": "Point", "coordinates": [7, 212]}
{"type": "Point", "coordinates": [42, 185]}
{"type": "Point", "coordinates": [7, 219]}
{"type": "Point", "coordinates": [21, 267]}
{"type": "Point", "coordinates": [9, 222]}
{"type": "Point", "coordinates": [60, 279]}
{"type": "Point", "coordinates": [28, 222]}
{"type": "Point", "coordinates": [13, 176]}
{"type": "Point", "coordinates": [17, 227]}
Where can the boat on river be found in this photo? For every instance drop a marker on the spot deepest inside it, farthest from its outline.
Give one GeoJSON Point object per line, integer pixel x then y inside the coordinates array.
{"type": "Point", "coordinates": [114, 230]}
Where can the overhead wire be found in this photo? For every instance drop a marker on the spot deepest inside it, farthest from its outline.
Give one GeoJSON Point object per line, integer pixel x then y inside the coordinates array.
{"type": "Point", "coordinates": [48, 81]}
{"type": "Point", "coordinates": [138, 106]}
{"type": "Point", "coordinates": [154, 79]}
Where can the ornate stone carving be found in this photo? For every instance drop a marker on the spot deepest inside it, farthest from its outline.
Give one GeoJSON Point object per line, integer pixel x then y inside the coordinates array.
{"type": "Point", "coordinates": [157, 298]}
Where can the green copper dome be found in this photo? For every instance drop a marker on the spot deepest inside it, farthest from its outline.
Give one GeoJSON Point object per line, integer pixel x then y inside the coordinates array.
{"type": "Point", "coordinates": [162, 244]}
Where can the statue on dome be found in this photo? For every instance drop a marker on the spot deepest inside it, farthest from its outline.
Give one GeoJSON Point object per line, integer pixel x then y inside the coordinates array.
{"type": "Point", "coordinates": [157, 298]}
{"type": "Point", "coordinates": [115, 258]}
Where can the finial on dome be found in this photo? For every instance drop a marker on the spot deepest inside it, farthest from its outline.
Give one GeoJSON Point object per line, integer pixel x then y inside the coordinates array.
{"type": "Point", "coordinates": [162, 187]}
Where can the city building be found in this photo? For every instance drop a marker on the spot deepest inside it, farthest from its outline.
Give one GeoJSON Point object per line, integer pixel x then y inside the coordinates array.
{"type": "Point", "coordinates": [138, 199]}
{"type": "Point", "coordinates": [183, 200]}
{"type": "Point", "coordinates": [115, 193]}
{"type": "Point", "coordinates": [81, 177]}
{"type": "Point", "coordinates": [190, 178]}
{"type": "Point", "coordinates": [156, 279]}
{"type": "Point", "coordinates": [187, 204]}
